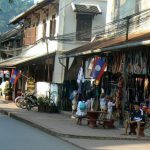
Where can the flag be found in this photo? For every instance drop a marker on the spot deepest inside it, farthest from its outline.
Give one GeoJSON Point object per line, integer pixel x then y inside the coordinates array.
{"type": "Point", "coordinates": [98, 68]}
{"type": "Point", "coordinates": [15, 74]}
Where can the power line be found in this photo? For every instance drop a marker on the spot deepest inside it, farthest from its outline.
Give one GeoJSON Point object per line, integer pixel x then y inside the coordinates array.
{"type": "Point", "coordinates": [103, 29]}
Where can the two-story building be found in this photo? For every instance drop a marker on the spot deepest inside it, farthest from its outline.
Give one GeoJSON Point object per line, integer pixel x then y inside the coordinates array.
{"type": "Point", "coordinates": [51, 27]}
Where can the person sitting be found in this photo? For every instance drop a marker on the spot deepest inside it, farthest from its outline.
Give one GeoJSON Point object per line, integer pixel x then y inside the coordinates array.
{"type": "Point", "coordinates": [136, 118]}
{"type": "Point", "coordinates": [148, 106]}
{"type": "Point", "coordinates": [81, 111]}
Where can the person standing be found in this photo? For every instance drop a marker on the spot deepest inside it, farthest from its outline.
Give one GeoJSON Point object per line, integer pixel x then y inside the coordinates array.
{"type": "Point", "coordinates": [110, 105]}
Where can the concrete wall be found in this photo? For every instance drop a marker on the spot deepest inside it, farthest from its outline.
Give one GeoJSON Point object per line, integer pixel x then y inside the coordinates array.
{"type": "Point", "coordinates": [127, 8]}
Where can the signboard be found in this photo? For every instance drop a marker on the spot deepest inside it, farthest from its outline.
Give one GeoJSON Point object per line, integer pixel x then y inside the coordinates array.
{"type": "Point", "coordinates": [31, 84]}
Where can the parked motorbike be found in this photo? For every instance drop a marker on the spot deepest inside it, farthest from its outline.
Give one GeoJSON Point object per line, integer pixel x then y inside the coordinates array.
{"type": "Point", "coordinates": [31, 101]}
{"type": "Point", "coordinates": [26, 101]}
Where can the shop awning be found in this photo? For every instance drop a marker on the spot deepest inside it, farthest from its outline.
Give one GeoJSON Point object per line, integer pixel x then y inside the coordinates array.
{"type": "Point", "coordinates": [140, 39]}
{"type": "Point", "coordinates": [109, 49]}
{"type": "Point", "coordinates": [14, 61]}
{"type": "Point", "coordinates": [86, 8]}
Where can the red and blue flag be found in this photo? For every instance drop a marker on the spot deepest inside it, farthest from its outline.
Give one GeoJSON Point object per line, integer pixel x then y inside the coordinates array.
{"type": "Point", "coordinates": [15, 74]}
{"type": "Point", "coordinates": [98, 68]}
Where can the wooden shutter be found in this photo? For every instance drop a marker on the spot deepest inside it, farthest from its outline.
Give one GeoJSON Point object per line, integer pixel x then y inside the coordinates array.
{"type": "Point", "coordinates": [29, 36]}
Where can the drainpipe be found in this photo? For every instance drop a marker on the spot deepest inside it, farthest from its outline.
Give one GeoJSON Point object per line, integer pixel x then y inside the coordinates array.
{"type": "Point", "coordinates": [61, 63]}
{"type": "Point", "coordinates": [48, 76]}
{"type": "Point", "coordinates": [127, 31]}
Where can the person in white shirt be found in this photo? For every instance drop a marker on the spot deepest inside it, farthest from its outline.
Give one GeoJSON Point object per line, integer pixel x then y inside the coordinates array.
{"type": "Point", "coordinates": [103, 102]}
{"type": "Point", "coordinates": [110, 105]}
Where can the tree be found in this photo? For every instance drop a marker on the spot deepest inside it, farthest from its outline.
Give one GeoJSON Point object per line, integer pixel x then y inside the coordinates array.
{"type": "Point", "coordinates": [10, 9]}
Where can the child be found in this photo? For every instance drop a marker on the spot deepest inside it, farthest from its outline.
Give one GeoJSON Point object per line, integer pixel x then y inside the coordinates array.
{"type": "Point", "coordinates": [81, 111]}
{"type": "Point", "coordinates": [110, 105]}
{"type": "Point", "coordinates": [102, 102]}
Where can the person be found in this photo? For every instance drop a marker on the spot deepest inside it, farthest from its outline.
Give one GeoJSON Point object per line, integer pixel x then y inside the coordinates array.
{"type": "Point", "coordinates": [136, 117]}
{"type": "Point", "coordinates": [110, 105]}
{"type": "Point", "coordinates": [103, 104]}
{"type": "Point", "coordinates": [148, 105]}
{"type": "Point", "coordinates": [81, 111]}
{"type": "Point", "coordinates": [74, 103]}
{"type": "Point", "coordinates": [88, 103]}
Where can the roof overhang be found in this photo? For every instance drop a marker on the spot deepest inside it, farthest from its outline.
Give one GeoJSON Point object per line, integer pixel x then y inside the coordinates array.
{"type": "Point", "coordinates": [86, 8]}
{"type": "Point", "coordinates": [21, 59]}
{"type": "Point", "coordinates": [33, 8]}
{"type": "Point", "coordinates": [105, 43]}
{"type": "Point", "coordinates": [109, 49]}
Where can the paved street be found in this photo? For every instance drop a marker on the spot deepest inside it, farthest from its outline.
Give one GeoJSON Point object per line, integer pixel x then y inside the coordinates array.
{"type": "Point", "coordinates": [62, 126]}
{"type": "Point", "coordinates": [15, 135]}
{"type": "Point", "coordinates": [111, 144]}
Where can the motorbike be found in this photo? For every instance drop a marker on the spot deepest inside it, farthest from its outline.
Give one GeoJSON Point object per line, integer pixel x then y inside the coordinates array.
{"type": "Point", "coordinates": [26, 101]}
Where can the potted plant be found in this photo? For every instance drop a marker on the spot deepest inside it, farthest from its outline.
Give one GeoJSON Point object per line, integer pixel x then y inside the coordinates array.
{"type": "Point", "coordinates": [41, 104]}
{"type": "Point", "coordinates": [45, 104]}
{"type": "Point", "coordinates": [8, 93]}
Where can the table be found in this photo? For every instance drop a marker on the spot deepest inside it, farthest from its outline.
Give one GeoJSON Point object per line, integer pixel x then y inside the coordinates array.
{"type": "Point", "coordinates": [93, 117]}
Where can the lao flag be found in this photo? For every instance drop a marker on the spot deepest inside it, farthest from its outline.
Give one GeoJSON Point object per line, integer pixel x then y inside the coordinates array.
{"type": "Point", "coordinates": [98, 69]}
{"type": "Point", "coordinates": [15, 74]}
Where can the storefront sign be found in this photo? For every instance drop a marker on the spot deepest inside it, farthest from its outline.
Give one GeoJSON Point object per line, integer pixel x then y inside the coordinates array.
{"type": "Point", "coordinates": [31, 85]}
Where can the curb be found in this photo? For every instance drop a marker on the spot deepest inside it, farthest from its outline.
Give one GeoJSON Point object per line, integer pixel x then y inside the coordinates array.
{"type": "Point", "coordinates": [62, 135]}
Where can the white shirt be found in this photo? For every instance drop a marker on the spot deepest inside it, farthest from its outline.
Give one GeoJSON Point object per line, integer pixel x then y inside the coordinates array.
{"type": "Point", "coordinates": [88, 104]}
{"type": "Point", "coordinates": [102, 103]}
{"type": "Point", "coordinates": [109, 106]}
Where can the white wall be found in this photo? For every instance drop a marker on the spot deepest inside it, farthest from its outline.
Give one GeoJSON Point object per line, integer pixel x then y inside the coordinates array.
{"type": "Point", "coordinates": [127, 7]}
{"type": "Point", "coordinates": [67, 20]}
{"type": "Point", "coordinates": [65, 23]}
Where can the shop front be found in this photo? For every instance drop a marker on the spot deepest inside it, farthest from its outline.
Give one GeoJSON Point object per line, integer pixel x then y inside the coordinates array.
{"type": "Point", "coordinates": [125, 79]}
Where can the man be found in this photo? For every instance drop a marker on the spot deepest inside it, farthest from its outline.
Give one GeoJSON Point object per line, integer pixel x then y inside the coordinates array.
{"type": "Point", "coordinates": [136, 118]}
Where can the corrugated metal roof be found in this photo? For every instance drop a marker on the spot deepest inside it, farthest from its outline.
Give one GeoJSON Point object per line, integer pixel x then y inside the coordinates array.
{"type": "Point", "coordinates": [11, 33]}
{"type": "Point", "coordinates": [99, 44]}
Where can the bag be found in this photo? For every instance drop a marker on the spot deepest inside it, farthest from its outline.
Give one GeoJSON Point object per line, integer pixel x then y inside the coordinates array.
{"type": "Point", "coordinates": [82, 106]}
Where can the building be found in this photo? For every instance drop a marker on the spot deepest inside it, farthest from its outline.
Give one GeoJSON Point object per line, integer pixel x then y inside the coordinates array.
{"type": "Point", "coordinates": [51, 27]}
{"type": "Point", "coordinates": [124, 44]}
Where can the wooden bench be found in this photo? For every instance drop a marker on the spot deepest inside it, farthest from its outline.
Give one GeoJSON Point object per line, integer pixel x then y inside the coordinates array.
{"type": "Point", "coordinates": [99, 117]}
{"type": "Point", "coordinates": [133, 127]}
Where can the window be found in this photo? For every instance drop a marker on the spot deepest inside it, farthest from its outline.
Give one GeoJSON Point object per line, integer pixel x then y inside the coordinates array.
{"type": "Point", "coordinates": [52, 26]}
{"type": "Point", "coordinates": [83, 28]}
{"type": "Point", "coordinates": [44, 28]}
{"type": "Point", "coordinates": [29, 36]}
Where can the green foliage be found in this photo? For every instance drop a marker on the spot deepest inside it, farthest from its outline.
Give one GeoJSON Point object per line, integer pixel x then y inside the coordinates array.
{"type": "Point", "coordinates": [43, 100]}
{"type": "Point", "coordinates": [10, 9]}
{"type": "Point", "coordinates": [10, 1]}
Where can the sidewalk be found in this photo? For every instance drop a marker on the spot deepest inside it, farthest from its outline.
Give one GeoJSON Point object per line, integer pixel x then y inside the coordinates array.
{"type": "Point", "coordinates": [63, 126]}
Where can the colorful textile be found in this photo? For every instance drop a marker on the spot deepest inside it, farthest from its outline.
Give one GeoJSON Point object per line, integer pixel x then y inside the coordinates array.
{"type": "Point", "coordinates": [15, 74]}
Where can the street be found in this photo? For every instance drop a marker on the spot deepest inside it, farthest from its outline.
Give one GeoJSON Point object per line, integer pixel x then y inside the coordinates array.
{"type": "Point", "coordinates": [15, 135]}
{"type": "Point", "coordinates": [111, 144]}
